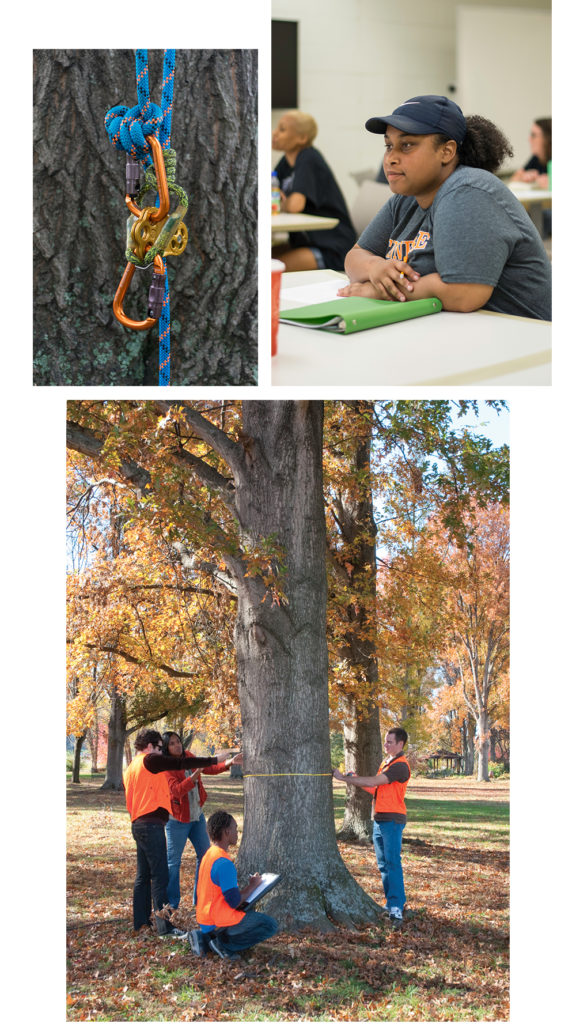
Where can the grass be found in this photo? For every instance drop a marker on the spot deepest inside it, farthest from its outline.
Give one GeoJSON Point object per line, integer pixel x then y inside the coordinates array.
{"type": "Point", "coordinates": [448, 963]}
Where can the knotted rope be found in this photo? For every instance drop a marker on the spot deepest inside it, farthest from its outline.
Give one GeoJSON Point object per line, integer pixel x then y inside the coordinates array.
{"type": "Point", "coordinates": [128, 128]}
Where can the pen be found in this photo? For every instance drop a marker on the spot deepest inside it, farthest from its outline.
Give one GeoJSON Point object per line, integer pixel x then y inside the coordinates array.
{"type": "Point", "coordinates": [404, 260]}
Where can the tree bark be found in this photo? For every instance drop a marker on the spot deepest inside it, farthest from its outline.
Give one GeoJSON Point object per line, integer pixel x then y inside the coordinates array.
{"type": "Point", "coordinates": [116, 740]}
{"type": "Point", "coordinates": [283, 672]}
{"type": "Point", "coordinates": [80, 221]}
{"type": "Point", "coordinates": [355, 559]}
{"type": "Point", "coordinates": [78, 742]}
{"type": "Point", "coordinates": [362, 755]}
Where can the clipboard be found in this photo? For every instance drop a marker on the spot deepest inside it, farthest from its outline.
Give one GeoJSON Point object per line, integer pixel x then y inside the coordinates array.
{"type": "Point", "coordinates": [269, 882]}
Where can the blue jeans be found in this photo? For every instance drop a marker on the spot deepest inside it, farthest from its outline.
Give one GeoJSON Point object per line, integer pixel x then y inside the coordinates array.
{"type": "Point", "coordinates": [387, 838]}
{"type": "Point", "coordinates": [254, 927]}
{"type": "Point", "coordinates": [177, 834]}
{"type": "Point", "coordinates": [151, 874]}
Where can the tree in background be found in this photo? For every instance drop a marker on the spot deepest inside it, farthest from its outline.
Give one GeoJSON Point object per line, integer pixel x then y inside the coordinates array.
{"type": "Point", "coordinates": [352, 628]}
{"type": "Point", "coordinates": [80, 220]}
{"type": "Point", "coordinates": [479, 612]}
{"type": "Point", "coordinates": [412, 462]}
{"type": "Point", "coordinates": [144, 639]}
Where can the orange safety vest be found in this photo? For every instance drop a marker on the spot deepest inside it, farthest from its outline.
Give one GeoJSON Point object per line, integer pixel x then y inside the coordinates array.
{"type": "Point", "coordinates": [145, 791]}
{"type": "Point", "coordinates": [211, 907]}
{"type": "Point", "coordinates": [390, 799]}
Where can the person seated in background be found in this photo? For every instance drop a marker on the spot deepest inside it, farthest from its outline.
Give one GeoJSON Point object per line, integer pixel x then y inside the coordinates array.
{"type": "Point", "coordinates": [223, 928]}
{"type": "Point", "coordinates": [536, 170]}
{"type": "Point", "coordinates": [309, 186]}
{"type": "Point", "coordinates": [451, 230]}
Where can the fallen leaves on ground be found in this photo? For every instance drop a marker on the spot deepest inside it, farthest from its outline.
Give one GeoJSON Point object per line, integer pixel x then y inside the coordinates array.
{"type": "Point", "coordinates": [449, 961]}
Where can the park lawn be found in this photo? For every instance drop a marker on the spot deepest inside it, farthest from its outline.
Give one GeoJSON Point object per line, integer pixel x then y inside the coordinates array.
{"type": "Point", "coordinates": [449, 962]}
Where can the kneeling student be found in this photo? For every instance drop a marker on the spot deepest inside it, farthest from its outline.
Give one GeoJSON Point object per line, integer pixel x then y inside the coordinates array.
{"type": "Point", "coordinates": [218, 896]}
{"type": "Point", "coordinates": [452, 230]}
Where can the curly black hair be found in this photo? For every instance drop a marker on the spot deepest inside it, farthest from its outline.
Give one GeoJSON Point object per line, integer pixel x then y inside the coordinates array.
{"type": "Point", "coordinates": [484, 145]}
{"type": "Point", "coordinates": [216, 824]}
{"type": "Point", "coordinates": [146, 736]}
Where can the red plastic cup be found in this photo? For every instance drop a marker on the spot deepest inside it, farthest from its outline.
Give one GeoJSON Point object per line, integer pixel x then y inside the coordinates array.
{"type": "Point", "coordinates": [277, 269]}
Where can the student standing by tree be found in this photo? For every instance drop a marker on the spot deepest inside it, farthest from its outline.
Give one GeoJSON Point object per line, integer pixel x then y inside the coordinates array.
{"type": "Point", "coordinates": [388, 787]}
{"type": "Point", "coordinates": [148, 803]}
{"type": "Point", "coordinates": [452, 229]}
{"type": "Point", "coordinates": [186, 821]}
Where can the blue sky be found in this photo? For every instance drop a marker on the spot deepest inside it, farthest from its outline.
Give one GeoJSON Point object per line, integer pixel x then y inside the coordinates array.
{"type": "Point", "coordinates": [491, 424]}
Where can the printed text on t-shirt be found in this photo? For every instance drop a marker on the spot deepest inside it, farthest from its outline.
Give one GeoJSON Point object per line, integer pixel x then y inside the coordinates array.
{"type": "Point", "coordinates": [400, 249]}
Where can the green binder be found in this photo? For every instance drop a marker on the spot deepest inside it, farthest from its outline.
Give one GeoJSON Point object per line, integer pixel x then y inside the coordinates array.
{"type": "Point", "coordinates": [347, 315]}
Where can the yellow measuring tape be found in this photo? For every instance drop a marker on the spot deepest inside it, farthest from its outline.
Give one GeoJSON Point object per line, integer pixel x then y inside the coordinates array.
{"type": "Point", "coordinates": [276, 775]}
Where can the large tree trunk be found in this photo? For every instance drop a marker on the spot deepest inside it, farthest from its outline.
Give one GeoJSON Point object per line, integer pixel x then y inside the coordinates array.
{"type": "Point", "coordinates": [283, 675]}
{"type": "Point", "coordinates": [80, 220]}
{"type": "Point", "coordinates": [362, 755]}
{"type": "Point", "coordinates": [116, 741]}
{"type": "Point", "coordinates": [355, 559]}
{"type": "Point", "coordinates": [78, 743]}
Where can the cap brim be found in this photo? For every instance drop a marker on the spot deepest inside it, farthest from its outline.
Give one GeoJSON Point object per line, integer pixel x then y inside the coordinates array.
{"type": "Point", "coordinates": [378, 125]}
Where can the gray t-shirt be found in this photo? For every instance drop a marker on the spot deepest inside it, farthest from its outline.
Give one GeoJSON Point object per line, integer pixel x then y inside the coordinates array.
{"type": "Point", "coordinates": [474, 232]}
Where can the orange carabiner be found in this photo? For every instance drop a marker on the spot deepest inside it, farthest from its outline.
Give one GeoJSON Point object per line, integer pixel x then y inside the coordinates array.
{"type": "Point", "coordinates": [154, 298]}
{"type": "Point", "coordinates": [164, 207]}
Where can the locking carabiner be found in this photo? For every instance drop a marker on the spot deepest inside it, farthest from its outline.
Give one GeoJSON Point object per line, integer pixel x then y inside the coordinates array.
{"type": "Point", "coordinates": [164, 206]}
{"type": "Point", "coordinates": [155, 296]}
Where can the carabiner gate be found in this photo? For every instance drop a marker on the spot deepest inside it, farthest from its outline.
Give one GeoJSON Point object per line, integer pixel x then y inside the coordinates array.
{"type": "Point", "coordinates": [155, 296]}
{"type": "Point", "coordinates": [164, 206]}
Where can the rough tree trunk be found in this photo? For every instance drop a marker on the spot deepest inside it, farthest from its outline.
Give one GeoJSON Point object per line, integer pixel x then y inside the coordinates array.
{"type": "Point", "coordinates": [354, 513]}
{"type": "Point", "coordinates": [78, 743]}
{"type": "Point", "coordinates": [116, 741]}
{"type": "Point", "coordinates": [282, 675]}
{"type": "Point", "coordinates": [80, 220]}
{"type": "Point", "coordinates": [362, 755]}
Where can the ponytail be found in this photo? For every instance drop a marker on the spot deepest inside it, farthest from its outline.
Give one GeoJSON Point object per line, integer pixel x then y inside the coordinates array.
{"type": "Point", "coordinates": [484, 146]}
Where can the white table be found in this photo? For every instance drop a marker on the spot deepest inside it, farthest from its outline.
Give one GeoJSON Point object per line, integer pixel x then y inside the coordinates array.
{"type": "Point", "coordinates": [528, 195]}
{"type": "Point", "coordinates": [534, 200]}
{"type": "Point", "coordinates": [445, 348]}
{"type": "Point", "coordinates": [301, 222]}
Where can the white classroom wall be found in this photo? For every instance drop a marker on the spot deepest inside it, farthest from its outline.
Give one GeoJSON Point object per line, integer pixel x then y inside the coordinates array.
{"type": "Point", "coordinates": [359, 58]}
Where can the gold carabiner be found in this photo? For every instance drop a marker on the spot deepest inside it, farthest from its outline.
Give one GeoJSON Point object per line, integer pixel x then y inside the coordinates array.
{"type": "Point", "coordinates": [164, 207]}
{"type": "Point", "coordinates": [155, 296]}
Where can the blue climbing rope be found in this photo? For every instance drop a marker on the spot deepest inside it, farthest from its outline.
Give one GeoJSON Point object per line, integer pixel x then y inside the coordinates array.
{"type": "Point", "coordinates": [128, 129]}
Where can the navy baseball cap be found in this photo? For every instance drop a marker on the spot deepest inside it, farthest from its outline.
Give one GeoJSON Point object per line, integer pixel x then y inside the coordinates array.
{"type": "Point", "coordinates": [424, 115]}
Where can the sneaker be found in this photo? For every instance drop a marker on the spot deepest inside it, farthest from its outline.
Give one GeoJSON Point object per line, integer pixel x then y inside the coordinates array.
{"type": "Point", "coordinates": [177, 933]}
{"type": "Point", "coordinates": [196, 942]}
{"type": "Point", "coordinates": [395, 915]}
{"type": "Point", "coordinates": [217, 947]}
